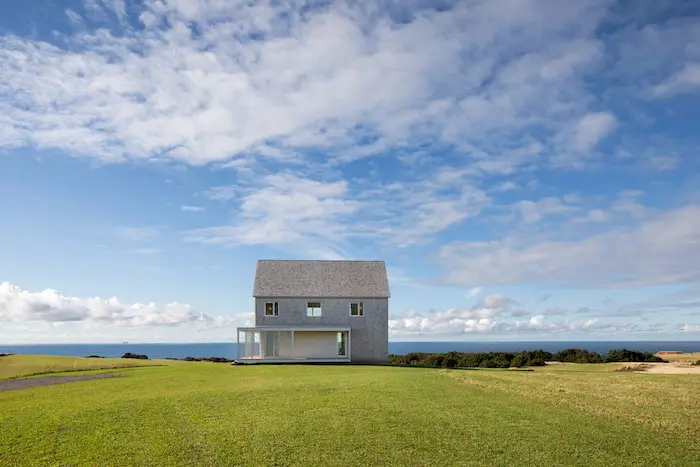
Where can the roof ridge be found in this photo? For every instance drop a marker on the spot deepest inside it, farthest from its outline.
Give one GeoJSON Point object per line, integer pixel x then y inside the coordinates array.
{"type": "Point", "coordinates": [329, 260]}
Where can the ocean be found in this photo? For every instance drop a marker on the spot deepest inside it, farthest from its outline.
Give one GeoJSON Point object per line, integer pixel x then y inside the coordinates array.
{"type": "Point", "coordinates": [228, 349]}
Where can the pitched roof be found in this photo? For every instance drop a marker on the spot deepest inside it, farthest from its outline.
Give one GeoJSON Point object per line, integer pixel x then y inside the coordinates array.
{"type": "Point", "coordinates": [341, 279]}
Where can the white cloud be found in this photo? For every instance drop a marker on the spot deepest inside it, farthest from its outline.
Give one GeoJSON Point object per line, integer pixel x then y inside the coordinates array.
{"type": "Point", "coordinates": [687, 79]}
{"type": "Point", "coordinates": [591, 129]}
{"type": "Point", "coordinates": [495, 315]}
{"type": "Point", "coordinates": [663, 249]}
{"type": "Point", "coordinates": [221, 193]}
{"type": "Point", "coordinates": [288, 210]}
{"type": "Point", "coordinates": [474, 292]}
{"type": "Point", "coordinates": [691, 328]}
{"type": "Point", "coordinates": [18, 305]}
{"type": "Point", "coordinates": [205, 81]}
{"type": "Point", "coordinates": [192, 208]}
{"type": "Point", "coordinates": [480, 318]}
{"type": "Point", "coordinates": [534, 211]}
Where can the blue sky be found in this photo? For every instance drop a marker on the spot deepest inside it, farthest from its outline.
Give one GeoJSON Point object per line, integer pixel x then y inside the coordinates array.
{"type": "Point", "coordinates": [527, 169]}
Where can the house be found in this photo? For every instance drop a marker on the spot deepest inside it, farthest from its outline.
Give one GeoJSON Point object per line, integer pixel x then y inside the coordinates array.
{"type": "Point", "coordinates": [318, 311]}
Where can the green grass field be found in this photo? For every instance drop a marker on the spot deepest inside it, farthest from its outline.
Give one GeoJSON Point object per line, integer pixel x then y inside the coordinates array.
{"type": "Point", "coordinates": [217, 414]}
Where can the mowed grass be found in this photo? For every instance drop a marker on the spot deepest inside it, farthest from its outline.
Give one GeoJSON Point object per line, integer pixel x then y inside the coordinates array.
{"type": "Point", "coordinates": [216, 414]}
{"type": "Point", "coordinates": [13, 366]}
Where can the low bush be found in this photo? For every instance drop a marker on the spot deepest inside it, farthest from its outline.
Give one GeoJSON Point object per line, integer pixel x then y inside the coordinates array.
{"type": "Point", "coordinates": [135, 355]}
{"type": "Point", "coordinates": [525, 358]}
{"type": "Point", "coordinates": [5, 354]}
{"type": "Point", "coordinates": [94, 356]}
{"type": "Point", "coordinates": [632, 368]}
{"type": "Point", "coordinates": [697, 363]}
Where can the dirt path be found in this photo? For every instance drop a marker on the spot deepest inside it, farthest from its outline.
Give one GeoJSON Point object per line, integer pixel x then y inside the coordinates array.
{"type": "Point", "coordinates": [26, 383]}
{"type": "Point", "coordinates": [673, 368]}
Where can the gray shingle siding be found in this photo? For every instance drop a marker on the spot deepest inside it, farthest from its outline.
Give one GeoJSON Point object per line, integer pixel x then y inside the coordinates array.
{"type": "Point", "coordinates": [339, 279]}
{"type": "Point", "coordinates": [369, 335]}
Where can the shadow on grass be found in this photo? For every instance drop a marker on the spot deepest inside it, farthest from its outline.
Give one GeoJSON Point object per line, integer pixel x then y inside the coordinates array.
{"type": "Point", "coordinates": [389, 365]}
{"type": "Point", "coordinates": [58, 372]}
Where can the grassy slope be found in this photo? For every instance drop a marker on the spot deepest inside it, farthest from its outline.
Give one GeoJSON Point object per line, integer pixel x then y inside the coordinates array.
{"type": "Point", "coordinates": [214, 414]}
{"type": "Point", "coordinates": [13, 366]}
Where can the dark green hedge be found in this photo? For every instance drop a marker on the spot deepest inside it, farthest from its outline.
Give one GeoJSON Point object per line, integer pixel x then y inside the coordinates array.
{"type": "Point", "coordinates": [522, 359]}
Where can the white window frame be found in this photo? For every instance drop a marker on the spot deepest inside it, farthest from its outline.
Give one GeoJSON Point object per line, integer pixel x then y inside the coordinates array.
{"type": "Point", "coordinates": [360, 309]}
{"type": "Point", "coordinates": [319, 308]}
{"type": "Point", "coordinates": [275, 309]}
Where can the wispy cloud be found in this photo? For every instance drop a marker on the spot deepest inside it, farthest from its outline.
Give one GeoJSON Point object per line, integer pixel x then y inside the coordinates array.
{"type": "Point", "coordinates": [662, 250]}
{"type": "Point", "coordinates": [192, 208]}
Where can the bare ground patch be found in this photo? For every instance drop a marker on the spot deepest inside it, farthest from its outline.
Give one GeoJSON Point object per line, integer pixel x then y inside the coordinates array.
{"type": "Point", "coordinates": [671, 368]}
{"type": "Point", "coordinates": [26, 383]}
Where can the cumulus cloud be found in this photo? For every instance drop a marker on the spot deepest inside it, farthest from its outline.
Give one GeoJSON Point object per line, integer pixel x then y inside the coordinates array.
{"type": "Point", "coordinates": [19, 305]}
{"type": "Point", "coordinates": [495, 314]}
{"type": "Point", "coordinates": [663, 249]}
{"type": "Point", "coordinates": [691, 328]}
{"type": "Point", "coordinates": [210, 81]}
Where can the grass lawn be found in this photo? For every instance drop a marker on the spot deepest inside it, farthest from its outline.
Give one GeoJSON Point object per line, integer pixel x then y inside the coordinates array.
{"type": "Point", "coordinates": [14, 366]}
{"type": "Point", "coordinates": [217, 414]}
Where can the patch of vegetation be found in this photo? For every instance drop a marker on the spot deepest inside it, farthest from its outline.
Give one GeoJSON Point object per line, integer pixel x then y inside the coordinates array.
{"type": "Point", "coordinates": [525, 358]}
{"type": "Point", "coordinates": [205, 414]}
{"type": "Point", "coordinates": [17, 366]}
{"type": "Point", "coordinates": [5, 354]}
{"type": "Point", "coordinates": [94, 356]}
{"type": "Point", "coordinates": [633, 368]}
{"type": "Point", "coordinates": [135, 355]}
{"type": "Point", "coordinates": [697, 363]}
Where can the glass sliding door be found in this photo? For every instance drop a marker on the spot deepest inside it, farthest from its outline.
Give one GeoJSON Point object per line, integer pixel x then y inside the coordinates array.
{"type": "Point", "coordinates": [342, 344]}
{"type": "Point", "coordinates": [271, 343]}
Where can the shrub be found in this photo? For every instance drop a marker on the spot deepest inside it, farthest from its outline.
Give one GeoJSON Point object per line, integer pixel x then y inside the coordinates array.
{"type": "Point", "coordinates": [94, 356]}
{"type": "Point", "coordinates": [5, 354]}
{"type": "Point", "coordinates": [697, 363]}
{"type": "Point", "coordinates": [135, 355]}
{"type": "Point", "coordinates": [626, 355]}
{"type": "Point", "coordinates": [632, 368]}
{"type": "Point", "coordinates": [577, 356]}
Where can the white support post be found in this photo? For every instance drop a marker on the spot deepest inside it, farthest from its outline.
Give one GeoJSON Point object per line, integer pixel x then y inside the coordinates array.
{"type": "Point", "coordinates": [293, 354]}
{"type": "Point", "coordinates": [349, 349]}
{"type": "Point", "coordinates": [238, 344]}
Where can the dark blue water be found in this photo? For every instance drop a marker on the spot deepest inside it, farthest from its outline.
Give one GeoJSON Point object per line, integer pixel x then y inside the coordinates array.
{"type": "Point", "coordinates": [228, 350]}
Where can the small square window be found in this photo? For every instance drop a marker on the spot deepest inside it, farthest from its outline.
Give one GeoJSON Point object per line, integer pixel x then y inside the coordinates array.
{"type": "Point", "coordinates": [272, 309]}
{"type": "Point", "coordinates": [313, 309]}
{"type": "Point", "coordinates": [356, 309]}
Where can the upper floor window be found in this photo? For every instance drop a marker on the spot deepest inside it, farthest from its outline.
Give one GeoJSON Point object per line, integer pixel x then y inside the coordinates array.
{"type": "Point", "coordinates": [313, 309]}
{"type": "Point", "coordinates": [272, 309]}
{"type": "Point", "coordinates": [356, 309]}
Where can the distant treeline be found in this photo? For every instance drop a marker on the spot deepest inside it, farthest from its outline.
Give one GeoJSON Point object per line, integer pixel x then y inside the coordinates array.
{"type": "Point", "coordinates": [522, 359]}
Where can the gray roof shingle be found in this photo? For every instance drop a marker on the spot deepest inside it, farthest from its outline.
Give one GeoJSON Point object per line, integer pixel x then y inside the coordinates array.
{"type": "Point", "coordinates": [331, 279]}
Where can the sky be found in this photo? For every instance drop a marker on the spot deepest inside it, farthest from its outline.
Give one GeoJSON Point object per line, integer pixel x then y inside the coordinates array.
{"type": "Point", "coordinates": [529, 170]}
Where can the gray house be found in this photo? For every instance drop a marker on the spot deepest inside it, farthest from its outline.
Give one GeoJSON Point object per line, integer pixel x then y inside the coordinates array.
{"type": "Point", "coordinates": [318, 311]}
